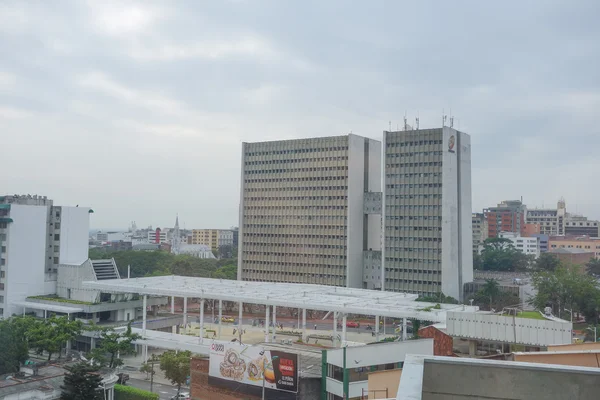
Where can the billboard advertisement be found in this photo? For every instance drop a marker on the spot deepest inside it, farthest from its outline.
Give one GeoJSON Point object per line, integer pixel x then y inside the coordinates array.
{"type": "Point", "coordinates": [246, 364]}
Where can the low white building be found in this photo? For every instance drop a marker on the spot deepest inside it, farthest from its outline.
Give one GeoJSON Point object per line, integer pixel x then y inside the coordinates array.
{"type": "Point", "coordinates": [194, 250]}
{"type": "Point", "coordinates": [35, 238]}
{"type": "Point", "coordinates": [526, 245]}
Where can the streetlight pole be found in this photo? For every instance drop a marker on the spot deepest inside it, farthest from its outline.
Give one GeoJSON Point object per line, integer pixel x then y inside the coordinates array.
{"type": "Point", "coordinates": [265, 365]}
{"type": "Point", "coordinates": [570, 312]}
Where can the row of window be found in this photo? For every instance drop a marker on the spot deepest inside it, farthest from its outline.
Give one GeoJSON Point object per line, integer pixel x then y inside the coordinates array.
{"type": "Point", "coordinates": [434, 250]}
{"type": "Point", "coordinates": [292, 236]}
{"type": "Point", "coordinates": [414, 217]}
{"type": "Point", "coordinates": [277, 265]}
{"type": "Point", "coordinates": [414, 175]}
{"type": "Point", "coordinates": [413, 185]}
{"type": "Point", "coordinates": [296, 151]}
{"type": "Point", "coordinates": [299, 169]}
{"type": "Point", "coordinates": [411, 239]}
{"type": "Point", "coordinates": [286, 226]}
{"type": "Point", "coordinates": [415, 143]}
{"type": "Point", "coordinates": [414, 164]}
{"type": "Point", "coordinates": [271, 208]}
{"type": "Point", "coordinates": [294, 189]}
{"type": "Point", "coordinates": [295, 247]}
{"type": "Point", "coordinates": [418, 196]}
{"type": "Point", "coordinates": [305, 160]}
{"type": "Point", "coordinates": [414, 154]}
{"type": "Point", "coordinates": [288, 216]}
{"type": "Point", "coordinates": [414, 260]}
{"type": "Point", "coordinates": [300, 179]}
{"type": "Point", "coordinates": [295, 255]}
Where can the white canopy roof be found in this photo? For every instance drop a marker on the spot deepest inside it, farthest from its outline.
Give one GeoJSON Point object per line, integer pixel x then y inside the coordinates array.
{"type": "Point", "coordinates": [48, 307]}
{"type": "Point", "coordinates": [295, 295]}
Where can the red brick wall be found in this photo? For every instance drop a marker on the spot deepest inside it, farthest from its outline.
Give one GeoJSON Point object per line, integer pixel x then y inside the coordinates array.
{"type": "Point", "coordinates": [200, 389]}
{"type": "Point", "coordinates": [442, 343]}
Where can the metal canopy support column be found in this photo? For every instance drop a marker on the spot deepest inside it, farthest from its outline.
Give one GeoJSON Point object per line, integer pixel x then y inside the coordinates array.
{"type": "Point", "coordinates": [335, 317]}
{"type": "Point", "coordinates": [267, 310]}
{"type": "Point", "coordinates": [377, 328]}
{"type": "Point", "coordinates": [274, 322]}
{"type": "Point", "coordinates": [403, 328]}
{"type": "Point", "coordinates": [343, 329]}
{"type": "Point", "coordinates": [220, 317]}
{"type": "Point", "coordinates": [201, 321]}
{"type": "Point", "coordinates": [240, 320]}
{"type": "Point", "coordinates": [144, 306]}
{"type": "Point", "coordinates": [184, 312]}
{"type": "Point", "coordinates": [172, 304]}
{"type": "Point", "coordinates": [304, 325]}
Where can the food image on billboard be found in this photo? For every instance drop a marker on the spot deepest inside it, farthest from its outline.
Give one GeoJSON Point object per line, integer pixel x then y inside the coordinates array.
{"type": "Point", "coordinates": [248, 364]}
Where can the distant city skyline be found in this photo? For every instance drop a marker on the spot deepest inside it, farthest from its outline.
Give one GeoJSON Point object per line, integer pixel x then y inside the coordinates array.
{"type": "Point", "coordinates": [139, 110]}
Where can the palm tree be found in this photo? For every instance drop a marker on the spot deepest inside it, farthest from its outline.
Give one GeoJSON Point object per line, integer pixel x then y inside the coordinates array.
{"type": "Point", "coordinates": [491, 289]}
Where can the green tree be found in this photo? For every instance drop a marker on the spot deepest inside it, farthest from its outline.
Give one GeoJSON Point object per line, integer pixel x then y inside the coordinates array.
{"type": "Point", "coordinates": [52, 334]}
{"type": "Point", "coordinates": [490, 289]}
{"type": "Point", "coordinates": [593, 267]}
{"type": "Point", "coordinates": [477, 261]}
{"type": "Point", "coordinates": [546, 262]}
{"type": "Point", "coordinates": [439, 298]}
{"type": "Point", "coordinates": [176, 366]}
{"type": "Point", "coordinates": [226, 272]}
{"type": "Point", "coordinates": [499, 254]}
{"type": "Point", "coordinates": [565, 288]}
{"type": "Point", "coordinates": [14, 346]}
{"type": "Point", "coordinates": [82, 382]}
{"type": "Point", "coordinates": [114, 344]}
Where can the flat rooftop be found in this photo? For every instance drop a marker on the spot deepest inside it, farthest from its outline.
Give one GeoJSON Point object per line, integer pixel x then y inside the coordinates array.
{"type": "Point", "coordinates": [295, 295]}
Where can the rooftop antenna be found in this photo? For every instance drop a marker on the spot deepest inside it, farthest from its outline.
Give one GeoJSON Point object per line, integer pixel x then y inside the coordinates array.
{"type": "Point", "coordinates": [405, 123]}
{"type": "Point", "coordinates": [390, 126]}
{"type": "Point", "coordinates": [417, 121]}
{"type": "Point", "coordinates": [451, 122]}
{"type": "Point", "coordinates": [443, 117]}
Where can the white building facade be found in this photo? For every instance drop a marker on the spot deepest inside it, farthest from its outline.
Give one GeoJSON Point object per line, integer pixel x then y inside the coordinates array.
{"type": "Point", "coordinates": [427, 211]}
{"type": "Point", "coordinates": [302, 210]}
{"type": "Point", "coordinates": [526, 245]}
{"type": "Point", "coordinates": [35, 237]}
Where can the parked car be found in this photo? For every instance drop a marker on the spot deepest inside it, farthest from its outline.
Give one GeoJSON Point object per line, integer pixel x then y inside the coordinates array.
{"type": "Point", "coordinates": [226, 318]}
{"type": "Point", "coordinates": [353, 324]}
{"type": "Point", "coordinates": [181, 396]}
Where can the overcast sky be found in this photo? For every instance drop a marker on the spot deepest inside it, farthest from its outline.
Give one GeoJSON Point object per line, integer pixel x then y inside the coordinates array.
{"type": "Point", "coordinates": [138, 109]}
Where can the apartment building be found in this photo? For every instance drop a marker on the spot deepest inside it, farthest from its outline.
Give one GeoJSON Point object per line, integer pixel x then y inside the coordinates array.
{"type": "Point", "coordinates": [527, 245]}
{"type": "Point", "coordinates": [575, 242]}
{"type": "Point", "coordinates": [508, 216]}
{"type": "Point", "coordinates": [428, 235]}
{"type": "Point", "coordinates": [310, 211]}
{"type": "Point", "coordinates": [213, 238]}
{"type": "Point", "coordinates": [577, 225]}
{"type": "Point", "coordinates": [550, 220]}
{"type": "Point", "coordinates": [35, 238]}
{"type": "Point", "coordinates": [159, 236]}
{"type": "Point", "coordinates": [480, 231]}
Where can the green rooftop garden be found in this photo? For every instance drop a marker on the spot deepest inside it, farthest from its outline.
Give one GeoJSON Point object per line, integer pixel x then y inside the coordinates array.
{"type": "Point", "coordinates": [57, 299]}
{"type": "Point", "coordinates": [528, 314]}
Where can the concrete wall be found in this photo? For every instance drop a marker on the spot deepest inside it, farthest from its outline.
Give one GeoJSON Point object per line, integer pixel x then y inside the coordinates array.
{"type": "Point", "coordinates": [355, 213]}
{"type": "Point", "coordinates": [588, 359]}
{"type": "Point", "coordinates": [506, 380]}
{"type": "Point", "coordinates": [457, 228]}
{"type": "Point", "coordinates": [26, 256]}
{"type": "Point", "coordinates": [575, 347]}
{"type": "Point", "coordinates": [71, 277]}
{"type": "Point", "coordinates": [376, 354]}
{"type": "Point", "coordinates": [384, 384]}
{"type": "Point", "coordinates": [74, 232]}
{"type": "Point", "coordinates": [527, 331]}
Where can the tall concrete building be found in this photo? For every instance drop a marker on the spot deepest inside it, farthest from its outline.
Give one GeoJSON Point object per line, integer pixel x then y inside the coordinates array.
{"type": "Point", "coordinates": [35, 237]}
{"type": "Point", "coordinates": [480, 231]}
{"type": "Point", "coordinates": [428, 244]}
{"type": "Point", "coordinates": [308, 211]}
{"type": "Point", "coordinates": [508, 216]}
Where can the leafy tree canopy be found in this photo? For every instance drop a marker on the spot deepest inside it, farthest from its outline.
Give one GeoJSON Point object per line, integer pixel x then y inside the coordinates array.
{"type": "Point", "coordinates": [82, 382]}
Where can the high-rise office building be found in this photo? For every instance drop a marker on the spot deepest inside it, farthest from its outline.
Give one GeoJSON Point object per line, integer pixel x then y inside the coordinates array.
{"type": "Point", "coordinates": [308, 211]}
{"type": "Point", "coordinates": [428, 245]}
{"type": "Point", "coordinates": [508, 216]}
{"type": "Point", "coordinates": [35, 237]}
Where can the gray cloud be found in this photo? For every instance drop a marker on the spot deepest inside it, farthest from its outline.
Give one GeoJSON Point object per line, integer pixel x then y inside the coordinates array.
{"type": "Point", "coordinates": [138, 109]}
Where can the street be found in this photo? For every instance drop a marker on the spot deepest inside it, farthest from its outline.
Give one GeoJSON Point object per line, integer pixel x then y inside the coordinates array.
{"type": "Point", "coordinates": [164, 391]}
